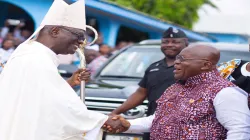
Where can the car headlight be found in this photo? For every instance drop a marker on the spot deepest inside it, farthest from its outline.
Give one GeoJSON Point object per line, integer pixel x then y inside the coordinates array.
{"type": "Point", "coordinates": [122, 137]}
{"type": "Point", "coordinates": [134, 113]}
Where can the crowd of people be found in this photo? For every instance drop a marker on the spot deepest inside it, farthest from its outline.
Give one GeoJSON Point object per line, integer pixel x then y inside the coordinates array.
{"type": "Point", "coordinates": [11, 35]}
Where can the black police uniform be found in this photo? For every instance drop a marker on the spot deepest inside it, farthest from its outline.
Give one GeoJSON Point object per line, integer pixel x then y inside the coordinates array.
{"type": "Point", "coordinates": [157, 78]}
{"type": "Point", "coordinates": [242, 81]}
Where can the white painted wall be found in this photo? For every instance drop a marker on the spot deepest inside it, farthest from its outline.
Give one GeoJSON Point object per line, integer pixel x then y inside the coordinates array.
{"type": "Point", "coordinates": [233, 16]}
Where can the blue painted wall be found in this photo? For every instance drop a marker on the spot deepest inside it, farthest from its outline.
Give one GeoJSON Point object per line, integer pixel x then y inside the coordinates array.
{"type": "Point", "coordinates": [35, 8]}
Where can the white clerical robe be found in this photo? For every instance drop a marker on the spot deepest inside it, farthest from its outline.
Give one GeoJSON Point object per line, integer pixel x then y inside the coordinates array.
{"type": "Point", "coordinates": [36, 103]}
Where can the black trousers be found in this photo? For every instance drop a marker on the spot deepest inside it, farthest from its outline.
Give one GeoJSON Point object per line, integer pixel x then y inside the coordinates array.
{"type": "Point", "coordinates": [146, 136]}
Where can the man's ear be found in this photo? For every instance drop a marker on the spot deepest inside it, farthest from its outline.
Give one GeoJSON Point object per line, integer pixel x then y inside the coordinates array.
{"type": "Point", "coordinates": [54, 31]}
{"type": "Point", "coordinates": [207, 65]}
{"type": "Point", "coordinates": [186, 41]}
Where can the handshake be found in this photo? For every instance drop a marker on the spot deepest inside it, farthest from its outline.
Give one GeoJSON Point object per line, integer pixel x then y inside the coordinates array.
{"type": "Point", "coordinates": [116, 124]}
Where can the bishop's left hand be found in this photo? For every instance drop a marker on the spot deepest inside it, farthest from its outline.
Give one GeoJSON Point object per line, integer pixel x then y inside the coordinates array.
{"type": "Point", "coordinates": [78, 76]}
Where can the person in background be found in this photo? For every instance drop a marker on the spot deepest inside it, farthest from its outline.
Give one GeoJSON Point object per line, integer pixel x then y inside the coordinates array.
{"type": "Point", "coordinates": [105, 50]}
{"type": "Point", "coordinates": [9, 36]}
{"type": "Point", "coordinates": [238, 72]}
{"type": "Point", "coordinates": [97, 44]}
{"type": "Point", "coordinates": [99, 41]}
{"type": "Point", "coordinates": [5, 29]}
{"type": "Point", "coordinates": [18, 31]}
{"type": "Point", "coordinates": [94, 60]}
{"type": "Point", "coordinates": [121, 45]}
{"type": "Point", "coordinates": [25, 34]}
{"type": "Point", "coordinates": [6, 50]}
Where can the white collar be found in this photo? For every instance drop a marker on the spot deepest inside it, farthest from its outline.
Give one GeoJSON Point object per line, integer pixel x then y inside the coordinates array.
{"type": "Point", "coordinates": [52, 54]}
{"type": "Point", "coordinates": [244, 71]}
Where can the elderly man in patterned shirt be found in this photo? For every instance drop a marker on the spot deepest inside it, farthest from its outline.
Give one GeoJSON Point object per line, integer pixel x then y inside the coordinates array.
{"type": "Point", "coordinates": [201, 105]}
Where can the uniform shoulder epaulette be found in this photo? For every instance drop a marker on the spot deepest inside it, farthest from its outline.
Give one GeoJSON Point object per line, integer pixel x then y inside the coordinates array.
{"type": "Point", "coordinates": [157, 63]}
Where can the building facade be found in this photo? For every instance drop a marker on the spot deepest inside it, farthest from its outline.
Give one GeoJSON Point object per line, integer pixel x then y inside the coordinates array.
{"type": "Point", "coordinates": [114, 22]}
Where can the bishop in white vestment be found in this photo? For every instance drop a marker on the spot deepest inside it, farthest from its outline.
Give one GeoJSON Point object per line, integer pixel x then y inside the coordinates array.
{"type": "Point", "coordinates": [36, 103]}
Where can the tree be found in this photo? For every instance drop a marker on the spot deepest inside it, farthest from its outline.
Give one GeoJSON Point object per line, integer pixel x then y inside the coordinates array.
{"type": "Point", "coordinates": [182, 12]}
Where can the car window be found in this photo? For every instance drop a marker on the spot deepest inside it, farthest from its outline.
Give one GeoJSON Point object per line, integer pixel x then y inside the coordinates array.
{"type": "Point", "coordinates": [229, 55]}
{"type": "Point", "coordinates": [133, 62]}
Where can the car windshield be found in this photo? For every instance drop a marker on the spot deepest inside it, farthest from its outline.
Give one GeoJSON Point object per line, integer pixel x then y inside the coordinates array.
{"type": "Point", "coordinates": [133, 62]}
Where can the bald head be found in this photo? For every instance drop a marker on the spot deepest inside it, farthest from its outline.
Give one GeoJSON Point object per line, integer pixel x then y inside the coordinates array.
{"type": "Point", "coordinates": [204, 52]}
{"type": "Point", "coordinates": [194, 60]}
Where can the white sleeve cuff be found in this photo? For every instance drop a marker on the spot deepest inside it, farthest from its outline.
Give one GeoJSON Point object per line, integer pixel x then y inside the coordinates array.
{"type": "Point", "coordinates": [244, 71]}
{"type": "Point", "coordinates": [141, 125]}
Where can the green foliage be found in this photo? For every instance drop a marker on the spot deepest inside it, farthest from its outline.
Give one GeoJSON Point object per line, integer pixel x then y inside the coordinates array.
{"type": "Point", "coordinates": [182, 12]}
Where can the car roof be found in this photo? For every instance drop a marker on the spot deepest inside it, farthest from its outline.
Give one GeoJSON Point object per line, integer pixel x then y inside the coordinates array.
{"type": "Point", "coordinates": [226, 46]}
{"type": "Point", "coordinates": [219, 45]}
{"type": "Point", "coordinates": [151, 41]}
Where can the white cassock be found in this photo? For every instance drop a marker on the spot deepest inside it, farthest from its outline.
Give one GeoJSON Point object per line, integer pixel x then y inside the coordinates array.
{"type": "Point", "coordinates": [36, 103]}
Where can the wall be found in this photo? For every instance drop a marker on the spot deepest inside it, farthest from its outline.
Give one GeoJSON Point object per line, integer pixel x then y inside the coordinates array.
{"type": "Point", "coordinates": [35, 8]}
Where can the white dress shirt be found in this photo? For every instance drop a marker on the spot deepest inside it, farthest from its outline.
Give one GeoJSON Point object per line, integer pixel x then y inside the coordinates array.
{"type": "Point", "coordinates": [244, 71]}
{"type": "Point", "coordinates": [231, 106]}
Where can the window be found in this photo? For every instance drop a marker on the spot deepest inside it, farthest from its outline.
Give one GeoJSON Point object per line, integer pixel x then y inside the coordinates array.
{"type": "Point", "coordinates": [133, 62]}
{"type": "Point", "coordinates": [130, 35]}
{"type": "Point", "coordinates": [229, 55]}
{"type": "Point", "coordinates": [91, 21]}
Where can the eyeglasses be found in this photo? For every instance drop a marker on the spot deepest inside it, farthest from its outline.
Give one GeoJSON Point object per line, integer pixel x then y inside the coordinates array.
{"type": "Point", "coordinates": [79, 36]}
{"type": "Point", "coordinates": [182, 59]}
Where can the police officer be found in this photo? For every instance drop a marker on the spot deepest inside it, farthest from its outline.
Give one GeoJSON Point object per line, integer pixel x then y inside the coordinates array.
{"type": "Point", "coordinates": [158, 76]}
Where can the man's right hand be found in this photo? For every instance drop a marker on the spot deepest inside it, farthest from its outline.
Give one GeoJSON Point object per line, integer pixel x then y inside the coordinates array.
{"type": "Point", "coordinates": [134, 100]}
{"type": "Point", "coordinates": [116, 124]}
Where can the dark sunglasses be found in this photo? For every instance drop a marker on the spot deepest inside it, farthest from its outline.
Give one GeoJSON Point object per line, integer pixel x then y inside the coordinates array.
{"type": "Point", "coordinates": [79, 36]}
